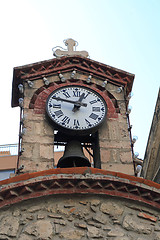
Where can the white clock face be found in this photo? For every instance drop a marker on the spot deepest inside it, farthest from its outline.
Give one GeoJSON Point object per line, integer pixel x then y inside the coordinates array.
{"type": "Point", "coordinates": [76, 108]}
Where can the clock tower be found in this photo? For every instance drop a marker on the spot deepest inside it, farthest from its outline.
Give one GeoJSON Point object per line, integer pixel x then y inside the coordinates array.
{"type": "Point", "coordinates": [75, 102]}
{"type": "Point", "coordinates": [90, 193]}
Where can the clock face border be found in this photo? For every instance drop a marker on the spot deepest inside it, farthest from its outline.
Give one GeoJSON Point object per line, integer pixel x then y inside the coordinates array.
{"type": "Point", "coordinates": [76, 132]}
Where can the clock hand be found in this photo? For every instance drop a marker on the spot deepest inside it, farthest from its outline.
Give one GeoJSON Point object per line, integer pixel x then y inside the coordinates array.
{"type": "Point", "coordinates": [77, 103]}
{"type": "Point", "coordinates": [76, 107]}
{"type": "Point", "coordinates": [81, 97]}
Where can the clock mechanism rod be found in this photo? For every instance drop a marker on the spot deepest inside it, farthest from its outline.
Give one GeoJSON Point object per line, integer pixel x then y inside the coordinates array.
{"type": "Point", "coordinates": [86, 148]}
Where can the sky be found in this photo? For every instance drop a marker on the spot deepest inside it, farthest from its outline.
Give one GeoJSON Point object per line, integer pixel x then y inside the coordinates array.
{"type": "Point", "coordinates": [124, 34]}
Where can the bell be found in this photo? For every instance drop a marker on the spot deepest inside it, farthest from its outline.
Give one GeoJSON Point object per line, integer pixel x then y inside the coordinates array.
{"type": "Point", "coordinates": [73, 156]}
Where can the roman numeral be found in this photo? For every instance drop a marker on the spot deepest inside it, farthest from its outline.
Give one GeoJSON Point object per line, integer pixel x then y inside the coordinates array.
{"type": "Point", "coordinates": [88, 122]}
{"type": "Point", "coordinates": [96, 109]}
{"type": "Point", "coordinates": [66, 94]}
{"type": "Point", "coordinates": [76, 93]}
{"type": "Point", "coordinates": [86, 95]}
{"type": "Point", "coordinates": [56, 105]}
{"type": "Point", "coordinates": [66, 120]}
{"type": "Point", "coordinates": [93, 116]}
{"type": "Point", "coordinates": [59, 113]}
{"type": "Point", "coordinates": [76, 122]}
{"type": "Point", "coordinates": [93, 101]}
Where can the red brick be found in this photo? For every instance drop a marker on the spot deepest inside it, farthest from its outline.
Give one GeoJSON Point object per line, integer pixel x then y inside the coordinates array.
{"type": "Point", "coordinates": [147, 216]}
{"type": "Point", "coordinates": [39, 111]}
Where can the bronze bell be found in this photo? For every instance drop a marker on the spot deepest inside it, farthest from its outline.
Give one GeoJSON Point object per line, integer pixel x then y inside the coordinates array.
{"type": "Point", "coordinates": [73, 156]}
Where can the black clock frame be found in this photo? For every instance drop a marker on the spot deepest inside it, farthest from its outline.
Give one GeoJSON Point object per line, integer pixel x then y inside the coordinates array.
{"type": "Point", "coordinates": [75, 132]}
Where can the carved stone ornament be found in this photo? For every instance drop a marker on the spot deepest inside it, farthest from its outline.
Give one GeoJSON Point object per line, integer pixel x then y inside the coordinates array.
{"type": "Point", "coordinates": [71, 46]}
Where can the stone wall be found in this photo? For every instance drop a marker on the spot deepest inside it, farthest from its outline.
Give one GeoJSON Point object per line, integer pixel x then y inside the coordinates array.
{"type": "Point", "coordinates": [115, 143]}
{"type": "Point", "coordinates": [79, 203]}
{"type": "Point", "coordinates": [38, 140]}
{"type": "Point", "coordinates": [79, 217]}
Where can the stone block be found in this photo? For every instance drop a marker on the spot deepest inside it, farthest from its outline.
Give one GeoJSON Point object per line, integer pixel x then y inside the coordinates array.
{"type": "Point", "coordinates": [9, 225]}
{"type": "Point", "coordinates": [72, 234]}
{"type": "Point", "coordinates": [123, 132]}
{"type": "Point", "coordinates": [38, 128]}
{"type": "Point", "coordinates": [105, 155]}
{"type": "Point", "coordinates": [34, 209]}
{"type": "Point", "coordinates": [122, 106]}
{"type": "Point", "coordinates": [26, 102]}
{"type": "Point", "coordinates": [28, 124]}
{"type": "Point", "coordinates": [28, 150]}
{"type": "Point", "coordinates": [38, 139]}
{"type": "Point", "coordinates": [93, 232]}
{"type": "Point", "coordinates": [114, 156]}
{"type": "Point", "coordinates": [93, 223]}
{"type": "Point", "coordinates": [115, 144]}
{"type": "Point", "coordinates": [28, 92]}
{"type": "Point", "coordinates": [25, 218]}
{"type": "Point", "coordinates": [53, 78]}
{"type": "Point", "coordinates": [100, 218]}
{"type": "Point", "coordinates": [80, 225]}
{"type": "Point", "coordinates": [40, 216]}
{"type": "Point", "coordinates": [56, 216]}
{"type": "Point", "coordinates": [119, 167]}
{"type": "Point", "coordinates": [131, 223]}
{"type": "Point", "coordinates": [48, 129]}
{"type": "Point", "coordinates": [62, 211]}
{"type": "Point", "coordinates": [157, 236]}
{"type": "Point", "coordinates": [16, 212]}
{"type": "Point", "coordinates": [118, 96]}
{"type": "Point", "coordinates": [111, 88]}
{"type": "Point", "coordinates": [95, 202]}
{"type": "Point", "coordinates": [33, 127]}
{"type": "Point", "coordinates": [41, 229]}
{"type": "Point", "coordinates": [124, 238]}
{"type": "Point", "coordinates": [30, 115]}
{"type": "Point", "coordinates": [59, 221]}
{"type": "Point", "coordinates": [36, 150]}
{"type": "Point", "coordinates": [24, 236]}
{"type": "Point", "coordinates": [46, 151]}
{"type": "Point", "coordinates": [36, 165]}
{"type": "Point", "coordinates": [38, 83]}
{"type": "Point", "coordinates": [113, 130]}
{"type": "Point", "coordinates": [112, 209]}
{"type": "Point", "coordinates": [126, 156]}
{"type": "Point", "coordinates": [115, 232]}
{"type": "Point", "coordinates": [104, 131]}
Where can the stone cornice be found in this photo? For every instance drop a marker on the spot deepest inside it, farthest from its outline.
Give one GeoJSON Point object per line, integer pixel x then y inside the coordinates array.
{"type": "Point", "coordinates": [78, 181]}
{"type": "Point", "coordinates": [64, 64]}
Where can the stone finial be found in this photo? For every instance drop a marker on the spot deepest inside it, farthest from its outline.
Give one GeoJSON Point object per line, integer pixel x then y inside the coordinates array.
{"type": "Point", "coordinates": [71, 46]}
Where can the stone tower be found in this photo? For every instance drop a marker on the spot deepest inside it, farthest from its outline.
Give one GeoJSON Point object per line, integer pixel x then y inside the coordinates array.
{"type": "Point", "coordinates": [33, 83]}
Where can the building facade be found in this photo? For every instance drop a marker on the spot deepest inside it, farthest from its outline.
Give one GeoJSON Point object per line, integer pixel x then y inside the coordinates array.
{"type": "Point", "coordinates": [151, 168]}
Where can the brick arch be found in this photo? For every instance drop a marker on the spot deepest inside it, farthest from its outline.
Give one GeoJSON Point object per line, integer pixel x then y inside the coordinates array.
{"type": "Point", "coordinates": [75, 181]}
{"type": "Point", "coordinates": [40, 96]}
